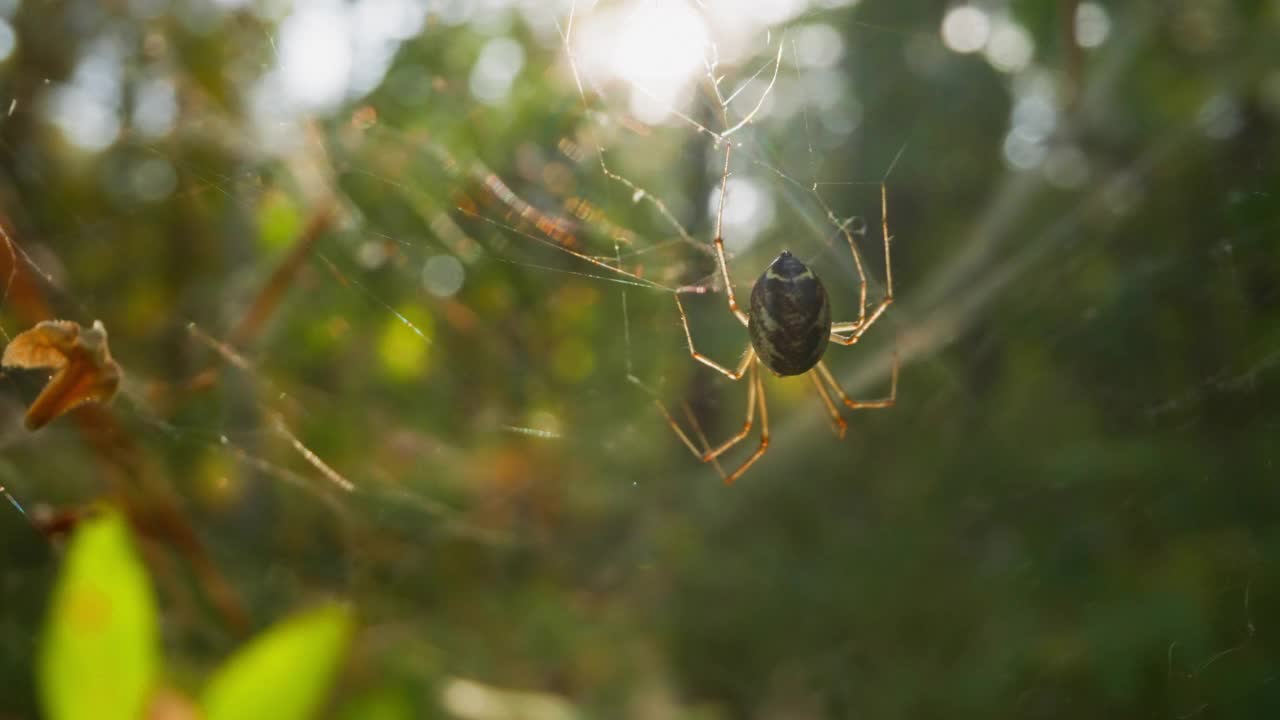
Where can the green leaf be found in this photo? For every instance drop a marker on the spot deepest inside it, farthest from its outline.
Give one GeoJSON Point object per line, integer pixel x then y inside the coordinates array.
{"type": "Point", "coordinates": [284, 673]}
{"type": "Point", "coordinates": [101, 650]}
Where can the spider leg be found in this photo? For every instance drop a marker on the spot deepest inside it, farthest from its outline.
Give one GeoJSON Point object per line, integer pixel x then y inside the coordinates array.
{"type": "Point", "coordinates": [753, 391]}
{"type": "Point", "coordinates": [856, 329]}
{"type": "Point", "coordinates": [702, 436]}
{"type": "Point", "coordinates": [865, 321]}
{"type": "Point", "coordinates": [680, 433]}
{"type": "Point", "coordinates": [708, 454]}
{"type": "Point", "coordinates": [838, 424]}
{"type": "Point", "coordinates": [719, 241]}
{"type": "Point", "coordinates": [731, 374]}
{"type": "Point", "coordinates": [764, 427]}
{"type": "Point", "coordinates": [885, 402]}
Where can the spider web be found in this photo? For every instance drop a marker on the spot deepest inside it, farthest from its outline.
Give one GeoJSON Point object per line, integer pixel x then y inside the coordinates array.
{"type": "Point", "coordinates": [415, 336]}
{"type": "Point", "coordinates": [356, 219]}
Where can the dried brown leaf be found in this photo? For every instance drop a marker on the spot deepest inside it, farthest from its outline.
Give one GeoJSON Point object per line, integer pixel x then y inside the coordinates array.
{"type": "Point", "coordinates": [85, 369]}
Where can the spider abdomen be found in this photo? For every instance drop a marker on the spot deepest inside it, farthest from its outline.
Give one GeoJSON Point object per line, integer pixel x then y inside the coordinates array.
{"type": "Point", "coordinates": [790, 318]}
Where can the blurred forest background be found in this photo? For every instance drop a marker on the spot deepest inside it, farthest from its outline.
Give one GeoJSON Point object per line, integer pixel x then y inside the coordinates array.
{"type": "Point", "coordinates": [330, 244]}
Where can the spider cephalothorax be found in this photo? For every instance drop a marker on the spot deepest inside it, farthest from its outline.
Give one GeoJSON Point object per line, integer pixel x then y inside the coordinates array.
{"type": "Point", "coordinates": [789, 317]}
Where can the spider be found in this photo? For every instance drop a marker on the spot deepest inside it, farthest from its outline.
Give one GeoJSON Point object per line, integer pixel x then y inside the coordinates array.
{"type": "Point", "coordinates": [788, 319]}
{"type": "Point", "coordinates": [788, 322]}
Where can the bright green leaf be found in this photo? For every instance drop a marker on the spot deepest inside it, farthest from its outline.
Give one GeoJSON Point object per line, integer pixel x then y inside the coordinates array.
{"type": "Point", "coordinates": [282, 674]}
{"type": "Point", "coordinates": [101, 650]}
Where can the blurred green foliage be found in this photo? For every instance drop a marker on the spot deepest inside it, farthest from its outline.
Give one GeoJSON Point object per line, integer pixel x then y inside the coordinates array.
{"type": "Point", "coordinates": [1071, 511]}
{"type": "Point", "coordinates": [101, 653]}
{"type": "Point", "coordinates": [283, 673]}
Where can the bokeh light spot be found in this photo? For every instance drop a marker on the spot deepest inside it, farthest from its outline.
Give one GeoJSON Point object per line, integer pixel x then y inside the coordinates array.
{"type": "Point", "coordinates": [1010, 47]}
{"type": "Point", "coordinates": [442, 275]}
{"type": "Point", "coordinates": [1093, 24]}
{"type": "Point", "coordinates": [965, 29]}
{"type": "Point", "coordinates": [152, 179]}
{"type": "Point", "coordinates": [8, 40]}
{"type": "Point", "coordinates": [818, 45]}
{"type": "Point", "coordinates": [496, 69]}
{"type": "Point", "coordinates": [748, 211]}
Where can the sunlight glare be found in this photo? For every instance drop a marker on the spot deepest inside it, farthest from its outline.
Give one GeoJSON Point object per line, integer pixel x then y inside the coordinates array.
{"type": "Point", "coordinates": [315, 56]}
{"type": "Point", "coordinates": [658, 52]}
{"type": "Point", "coordinates": [660, 48]}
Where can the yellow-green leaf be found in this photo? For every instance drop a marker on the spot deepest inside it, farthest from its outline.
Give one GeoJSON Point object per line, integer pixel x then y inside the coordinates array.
{"type": "Point", "coordinates": [101, 651]}
{"type": "Point", "coordinates": [283, 674]}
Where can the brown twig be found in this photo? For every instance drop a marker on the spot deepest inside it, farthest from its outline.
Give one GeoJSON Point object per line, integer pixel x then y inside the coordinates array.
{"type": "Point", "coordinates": [268, 299]}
